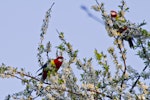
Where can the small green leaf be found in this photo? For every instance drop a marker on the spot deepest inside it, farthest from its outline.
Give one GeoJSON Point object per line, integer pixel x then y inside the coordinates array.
{"type": "Point", "coordinates": [61, 35]}
{"type": "Point", "coordinates": [145, 32]}
{"type": "Point", "coordinates": [42, 46]}
{"type": "Point", "coordinates": [148, 43]}
{"type": "Point", "coordinates": [49, 73]}
{"type": "Point", "coordinates": [96, 72]}
{"type": "Point", "coordinates": [60, 81]}
{"type": "Point", "coordinates": [61, 47]}
{"type": "Point", "coordinates": [82, 75]}
{"type": "Point", "coordinates": [98, 55]}
{"type": "Point", "coordinates": [142, 24]}
{"type": "Point", "coordinates": [75, 53]}
{"type": "Point", "coordinates": [99, 85]}
{"type": "Point", "coordinates": [127, 9]}
{"type": "Point", "coordinates": [106, 67]}
{"type": "Point", "coordinates": [75, 79]}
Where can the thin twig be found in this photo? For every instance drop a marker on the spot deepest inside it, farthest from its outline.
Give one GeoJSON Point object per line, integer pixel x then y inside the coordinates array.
{"type": "Point", "coordinates": [14, 76]}
{"type": "Point", "coordinates": [55, 88]}
{"type": "Point", "coordinates": [138, 79]}
{"type": "Point", "coordinates": [125, 66]}
{"type": "Point", "coordinates": [45, 26]}
{"type": "Point", "coordinates": [144, 51]}
{"type": "Point", "coordinates": [110, 97]}
{"type": "Point", "coordinates": [124, 62]}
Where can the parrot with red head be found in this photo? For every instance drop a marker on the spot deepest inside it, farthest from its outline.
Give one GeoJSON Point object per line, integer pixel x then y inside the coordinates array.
{"type": "Point", "coordinates": [113, 13]}
{"type": "Point", "coordinates": [120, 30]}
{"type": "Point", "coordinates": [51, 67]}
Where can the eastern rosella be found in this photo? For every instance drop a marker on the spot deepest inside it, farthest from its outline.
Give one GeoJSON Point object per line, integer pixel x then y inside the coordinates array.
{"type": "Point", "coordinates": [51, 67]}
{"type": "Point", "coordinates": [127, 38]}
{"type": "Point", "coordinates": [126, 35]}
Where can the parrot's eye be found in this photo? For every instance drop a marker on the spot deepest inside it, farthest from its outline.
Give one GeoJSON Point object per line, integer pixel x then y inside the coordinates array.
{"type": "Point", "coordinates": [60, 60]}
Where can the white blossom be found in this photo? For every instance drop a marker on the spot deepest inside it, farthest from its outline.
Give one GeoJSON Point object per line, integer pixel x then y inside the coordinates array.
{"type": "Point", "coordinates": [141, 97]}
{"type": "Point", "coordinates": [110, 22]}
{"type": "Point", "coordinates": [84, 67]}
{"type": "Point", "coordinates": [49, 97]}
{"type": "Point", "coordinates": [84, 86]}
{"type": "Point", "coordinates": [124, 86]}
{"type": "Point", "coordinates": [11, 69]}
{"type": "Point", "coordinates": [40, 85]}
{"type": "Point", "coordinates": [107, 29]}
{"type": "Point", "coordinates": [121, 19]}
{"type": "Point", "coordinates": [63, 86]}
{"type": "Point", "coordinates": [90, 86]}
{"type": "Point", "coordinates": [2, 75]}
{"type": "Point", "coordinates": [96, 7]}
{"type": "Point", "coordinates": [65, 64]}
{"type": "Point", "coordinates": [54, 79]}
{"type": "Point", "coordinates": [122, 13]}
{"type": "Point", "coordinates": [126, 75]}
{"type": "Point", "coordinates": [114, 32]}
{"type": "Point", "coordinates": [110, 79]}
{"type": "Point", "coordinates": [105, 14]}
{"type": "Point", "coordinates": [66, 70]}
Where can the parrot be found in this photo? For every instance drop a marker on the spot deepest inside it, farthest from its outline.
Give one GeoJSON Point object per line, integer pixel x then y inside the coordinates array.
{"type": "Point", "coordinates": [115, 15]}
{"type": "Point", "coordinates": [51, 67]}
{"type": "Point", "coordinates": [127, 38]}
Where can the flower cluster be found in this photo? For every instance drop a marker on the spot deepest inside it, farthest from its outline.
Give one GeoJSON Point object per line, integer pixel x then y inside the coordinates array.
{"type": "Point", "coordinates": [82, 79]}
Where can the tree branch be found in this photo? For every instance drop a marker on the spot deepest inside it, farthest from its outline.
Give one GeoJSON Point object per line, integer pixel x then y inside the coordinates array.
{"type": "Point", "coordinates": [138, 79]}
{"type": "Point", "coordinates": [55, 88]}
{"type": "Point", "coordinates": [144, 51]}
{"type": "Point", "coordinates": [125, 66]}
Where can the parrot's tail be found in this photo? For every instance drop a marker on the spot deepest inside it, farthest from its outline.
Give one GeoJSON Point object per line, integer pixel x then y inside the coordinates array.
{"type": "Point", "coordinates": [42, 79]}
{"type": "Point", "coordinates": [130, 43]}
